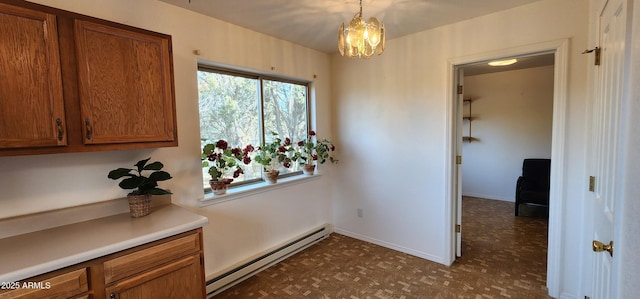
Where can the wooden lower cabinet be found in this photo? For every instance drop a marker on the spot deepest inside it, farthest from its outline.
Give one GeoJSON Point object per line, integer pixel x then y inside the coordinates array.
{"type": "Point", "coordinates": [68, 284]}
{"type": "Point", "coordinates": [169, 268]}
{"type": "Point", "coordinates": [180, 279]}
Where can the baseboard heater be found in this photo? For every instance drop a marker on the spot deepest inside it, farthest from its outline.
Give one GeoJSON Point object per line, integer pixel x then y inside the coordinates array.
{"type": "Point", "coordinates": [249, 268]}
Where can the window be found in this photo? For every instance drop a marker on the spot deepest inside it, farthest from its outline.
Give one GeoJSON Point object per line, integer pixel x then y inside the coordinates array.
{"type": "Point", "coordinates": [244, 108]}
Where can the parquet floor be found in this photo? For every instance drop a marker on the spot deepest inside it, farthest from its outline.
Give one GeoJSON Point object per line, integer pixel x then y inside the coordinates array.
{"type": "Point", "coordinates": [503, 257]}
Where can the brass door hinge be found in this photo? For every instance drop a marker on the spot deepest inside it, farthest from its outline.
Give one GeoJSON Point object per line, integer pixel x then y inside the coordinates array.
{"type": "Point", "coordinates": [597, 53]}
{"type": "Point", "coordinates": [592, 184]}
{"type": "Point", "coordinates": [458, 228]}
{"type": "Point", "coordinates": [460, 89]}
{"type": "Point", "coordinates": [458, 160]}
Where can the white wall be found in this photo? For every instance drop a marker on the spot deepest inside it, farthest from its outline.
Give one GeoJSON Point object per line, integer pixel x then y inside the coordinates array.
{"type": "Point", "coordinates": [512, 118]}
{"type": "Point", "coordinates": [390, 116]}
{"type": "Point", "coordinates": [237, 229]}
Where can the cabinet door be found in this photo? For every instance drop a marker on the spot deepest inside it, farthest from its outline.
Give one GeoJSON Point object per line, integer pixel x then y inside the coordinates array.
{"type": "Point", "coordinates": [126, 85]}
{"type": "Point", "coordinates": [31, 101]}
{"type": "Point", "coordinates": [179, 279]}
{"type": "Point", "coordinates": [64, 285]}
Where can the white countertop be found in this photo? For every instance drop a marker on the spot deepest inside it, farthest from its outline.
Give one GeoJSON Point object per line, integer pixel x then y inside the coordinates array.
{"type": "Point", "coordinates": [38, 252]}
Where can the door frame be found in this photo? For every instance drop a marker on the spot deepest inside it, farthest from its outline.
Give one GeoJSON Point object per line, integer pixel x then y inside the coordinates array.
{"type": "Point", "coordinates": [560, 48]}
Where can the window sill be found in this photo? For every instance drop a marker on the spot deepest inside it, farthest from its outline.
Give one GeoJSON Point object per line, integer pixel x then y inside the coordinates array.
{"type": "Point", "coordinates": [253, 189]}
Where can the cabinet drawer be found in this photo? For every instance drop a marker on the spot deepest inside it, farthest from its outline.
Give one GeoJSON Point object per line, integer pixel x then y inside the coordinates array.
{"type": "Point", "coordinates": [61, 286]}
{"type": "Point", "coordinates": [146, 259]}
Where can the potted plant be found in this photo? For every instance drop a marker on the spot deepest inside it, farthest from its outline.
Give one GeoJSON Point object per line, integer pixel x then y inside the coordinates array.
{"type": "Point", "coordinates": [309, 150]}
{"type": "Point", "coordinates": [142, 186]}
{"type": "Point", "coordinates": [224, 163]}
{"type": "Point", "coordinates": [274, 155]}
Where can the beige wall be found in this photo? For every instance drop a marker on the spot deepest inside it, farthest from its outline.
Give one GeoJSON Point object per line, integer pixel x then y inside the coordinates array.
{"type": "Point", "coordinates": [387, 115]}
{"type": "Point", "coordinates": [237, 229]}
{"type": "Point", "coordinates": [512, 116]}
{"type": "Point", "coordinates": [391, 120]}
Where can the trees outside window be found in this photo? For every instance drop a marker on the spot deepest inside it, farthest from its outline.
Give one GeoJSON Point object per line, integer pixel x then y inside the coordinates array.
{"type": "Point", "coordinates": [244, 108]}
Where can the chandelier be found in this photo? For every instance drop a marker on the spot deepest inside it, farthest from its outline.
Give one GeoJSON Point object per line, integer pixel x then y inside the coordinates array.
{"type": "Point", "coordinates": [361, 39]}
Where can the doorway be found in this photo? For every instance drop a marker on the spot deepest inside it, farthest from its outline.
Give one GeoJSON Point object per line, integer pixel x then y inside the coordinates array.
{"type": "Point", "coordinates": [559, 49]}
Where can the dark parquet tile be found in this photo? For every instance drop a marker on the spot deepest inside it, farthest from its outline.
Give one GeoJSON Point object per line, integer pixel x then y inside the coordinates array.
{"type": "Point", "coordinates": [503, 257]}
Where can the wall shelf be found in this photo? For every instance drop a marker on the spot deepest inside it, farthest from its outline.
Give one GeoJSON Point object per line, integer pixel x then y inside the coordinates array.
{"type": "Point", "coordinates": [468, 118]}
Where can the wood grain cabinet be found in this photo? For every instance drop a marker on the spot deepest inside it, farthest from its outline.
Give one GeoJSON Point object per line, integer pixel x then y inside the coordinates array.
{"type": "Point", "coordinates": [74, 83]}
{"type": "Point", "coordinates": [169, 268]}
{"type": "Point", "coordinates": [31, 100]}
{"type": "Point", "coordinates": [61, 284]}
{"type": "Point", "coordinates": [125, 85]}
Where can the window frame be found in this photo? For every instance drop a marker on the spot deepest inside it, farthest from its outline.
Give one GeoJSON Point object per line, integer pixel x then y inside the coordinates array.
{"type": "Point", "coordinates": [258, 182]}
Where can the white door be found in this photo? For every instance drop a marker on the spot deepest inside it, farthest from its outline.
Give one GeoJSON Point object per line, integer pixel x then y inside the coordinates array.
{"type": "Point", "coordinates": [605, 140]}
{"type": "Point", "coordinates": [458, 168]}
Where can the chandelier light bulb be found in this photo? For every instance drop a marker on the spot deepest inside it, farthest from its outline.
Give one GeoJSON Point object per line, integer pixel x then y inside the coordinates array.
{"type": "Point", "coordinates": [361, 39]}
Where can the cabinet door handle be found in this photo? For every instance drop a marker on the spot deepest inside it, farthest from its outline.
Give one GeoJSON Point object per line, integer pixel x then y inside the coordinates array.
{"type": "Point", "coordinates": [112, 296]}
{"type": "Point", "coordinates": [87, 124]}
{"type": "Point", "coordinates": [60, 129]}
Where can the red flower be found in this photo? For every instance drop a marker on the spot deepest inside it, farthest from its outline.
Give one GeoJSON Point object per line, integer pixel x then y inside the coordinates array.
{"type": "Point", "coordinates": [287, 141]}
{"type": "Point", "coordinates": [315, 157]}
{"type": "Point", "coordinates": [282, 149]}
{"type": "Point", "coordinates": [333, 147]}
{"type": "Point", "coordinates": [236, 151]}
{"type": "Point", "coordinates": [301, 143]}
{"type": "Point", "coordinates": [249, 148]}
{"type": "Point", "coordinates": [312, 133]}
{"type": "Point", "coordinates": [221, 144]}
{"type": "Point", "coordinates": [246, 160]}
{"type": "Point", "coordinates": [286, 164]}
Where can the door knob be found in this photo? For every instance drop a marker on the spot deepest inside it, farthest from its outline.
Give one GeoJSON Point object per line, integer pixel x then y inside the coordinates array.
{"type": "Point", "coordinates": [599, 247]}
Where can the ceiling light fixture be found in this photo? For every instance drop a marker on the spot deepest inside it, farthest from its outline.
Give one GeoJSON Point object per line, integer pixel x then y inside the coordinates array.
{"type": "Point", "coordinates": [503, 62]}
{"type": "Point", "coordinates": [361, 39]}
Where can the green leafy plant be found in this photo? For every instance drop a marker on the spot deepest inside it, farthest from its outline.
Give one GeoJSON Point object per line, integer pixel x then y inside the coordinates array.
{"type": "Point", "coordinates": [319, 150]}
{"type": "Point", "coordinates": [275, 154]}
{"type": "Point", "coordinates": [224, 161]}
{"type": "Point", "coordinates": [140, 184]}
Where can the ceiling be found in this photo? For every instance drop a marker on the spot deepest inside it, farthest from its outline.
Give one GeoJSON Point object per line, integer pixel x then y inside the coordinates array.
{"type": "Point", "coordinates": [314, 23]}
{"type": "Point", "coordinates": [524, 62]}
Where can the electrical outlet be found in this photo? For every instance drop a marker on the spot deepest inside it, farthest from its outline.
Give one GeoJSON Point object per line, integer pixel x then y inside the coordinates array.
{"type": "Point", "coordinates": [359, 211]}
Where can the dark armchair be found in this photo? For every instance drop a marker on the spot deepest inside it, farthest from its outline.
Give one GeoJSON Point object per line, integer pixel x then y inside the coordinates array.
{"type": "Point", "coordinates": [533, 186]}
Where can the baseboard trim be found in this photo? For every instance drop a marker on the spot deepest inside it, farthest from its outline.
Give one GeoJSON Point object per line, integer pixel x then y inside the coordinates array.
{"type": "Point", "coordinates": [257, 263]}
{"type": "Point", "coordinates": [420, 254]}
{"type": "Point", "coordinates": [493, 197]}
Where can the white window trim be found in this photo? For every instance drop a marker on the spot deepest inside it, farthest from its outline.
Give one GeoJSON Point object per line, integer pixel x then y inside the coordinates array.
{"type": "Point", "coordinates": [253, 189]}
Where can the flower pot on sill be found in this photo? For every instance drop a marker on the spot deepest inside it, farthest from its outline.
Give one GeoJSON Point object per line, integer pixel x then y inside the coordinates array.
{"type": "Point", "coordinates": [271, 176]}
{"type": "Point", "coordinates": [308, 169]}
{"type": "Point", "coordinates": [139, 205]}
{"type": "Point", "coordinates": [219, 187]}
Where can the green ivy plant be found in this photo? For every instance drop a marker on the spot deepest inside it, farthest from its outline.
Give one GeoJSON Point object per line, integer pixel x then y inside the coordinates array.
{"type": "Point", "coordinates": [140, 184]}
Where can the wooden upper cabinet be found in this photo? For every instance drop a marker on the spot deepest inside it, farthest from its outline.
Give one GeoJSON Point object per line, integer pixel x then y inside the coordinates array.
{"type": "Point", "coordinates": [31, 98]}
{"type": "Point", "coordinates": [125, 85]}
{"type": "Point", "coordinates": [74, 83]}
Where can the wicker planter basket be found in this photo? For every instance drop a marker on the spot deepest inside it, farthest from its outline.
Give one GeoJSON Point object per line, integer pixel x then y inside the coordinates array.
{"type": "Point", "coordinates": [139, 205]}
